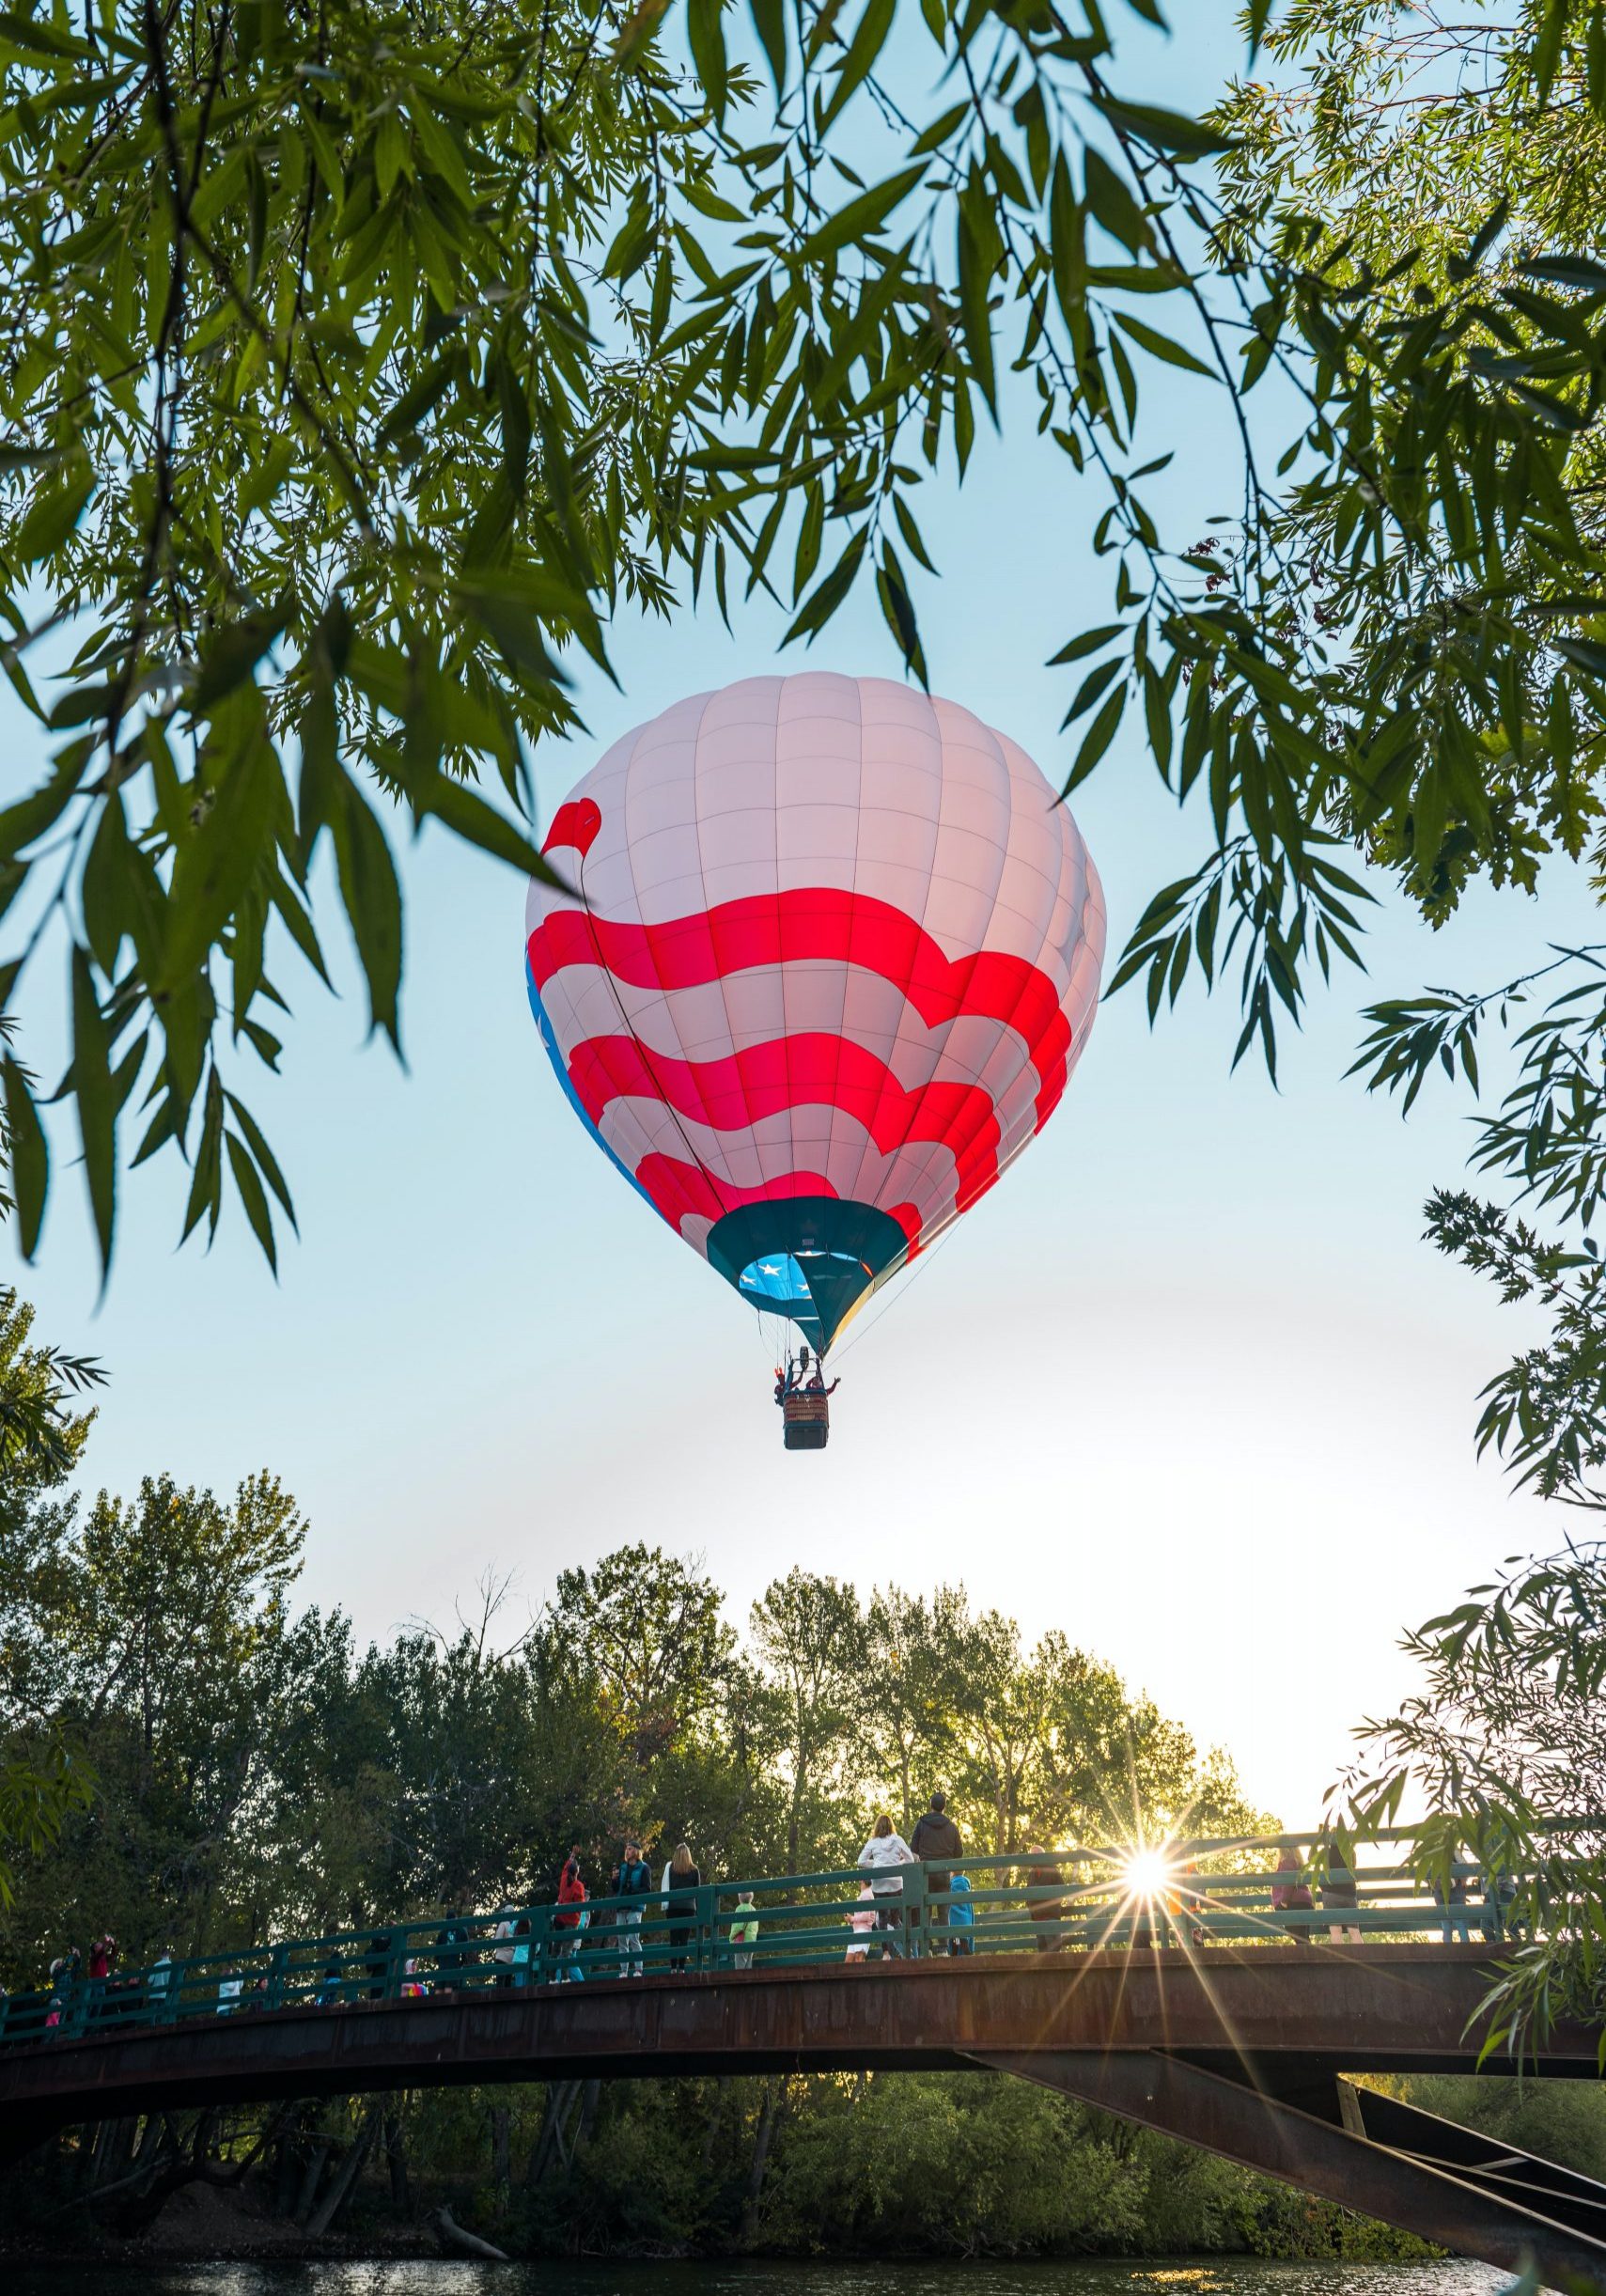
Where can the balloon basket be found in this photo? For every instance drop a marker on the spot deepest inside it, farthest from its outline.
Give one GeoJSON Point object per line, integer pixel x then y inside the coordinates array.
{"type": "Point", "coordinates": [807, 1422]}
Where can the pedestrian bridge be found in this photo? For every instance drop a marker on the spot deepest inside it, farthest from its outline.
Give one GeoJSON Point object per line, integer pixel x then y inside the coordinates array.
{"type": "Point", "coordinates": [1175, 1994]}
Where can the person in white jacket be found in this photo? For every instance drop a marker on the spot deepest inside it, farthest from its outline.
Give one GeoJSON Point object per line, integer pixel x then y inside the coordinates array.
{"type": "Point", "coordinates": [883, 1853]}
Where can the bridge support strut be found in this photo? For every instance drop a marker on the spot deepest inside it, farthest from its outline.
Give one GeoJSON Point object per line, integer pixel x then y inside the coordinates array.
{"type": "Point", "coordinates": [1368, 2152]}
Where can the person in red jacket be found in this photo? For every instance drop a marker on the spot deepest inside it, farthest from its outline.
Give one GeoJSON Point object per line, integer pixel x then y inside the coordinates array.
{"type": "Point", "coordinates": [569, 1920]}
{"type": "Point", "coordinates": [103, 1960]}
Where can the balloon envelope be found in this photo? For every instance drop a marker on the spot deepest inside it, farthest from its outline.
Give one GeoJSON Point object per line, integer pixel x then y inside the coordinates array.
{"type": "Point", "coordinates": [835, 954]}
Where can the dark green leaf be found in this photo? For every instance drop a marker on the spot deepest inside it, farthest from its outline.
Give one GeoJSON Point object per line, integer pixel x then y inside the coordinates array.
{"type": "Point", "coordinates": [27, 1154]}
{"type": "Point", "coordinates": [373, 903]}
{"type": "Point", "coordinates": [868, 39]}
{"type": "Point", "coordinates": [705, 30]}
{"type": "Point", "coordinates": [53, 516]}
{"type": "Point", "coordinates": [861, 216]}
{"type": "Point", "coordinates": [1190, 139]}
{"type": "Point", "coordinates": [254, 1198]}
{"type": "Point", "coordinates": [770, 20]}
{"type": "Point", "coordinates": [93, 1096]}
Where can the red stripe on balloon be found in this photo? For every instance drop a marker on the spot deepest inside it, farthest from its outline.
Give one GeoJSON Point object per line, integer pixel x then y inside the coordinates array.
{"type": "Point", "coordinates": [574, 824]}
{"type": "Point", "coordinates": [682, 1191]}
{"type": "Point", "coordinates": [685, 1191]}
{"type": "Point", "coordinates": [820, 924]}
{"type": "Point", "coordinates": [810, 1070]}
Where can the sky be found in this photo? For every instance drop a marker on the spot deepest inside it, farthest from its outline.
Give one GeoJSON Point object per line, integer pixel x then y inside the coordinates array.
{"type": "Point", "coordinates": [1187, 1384]}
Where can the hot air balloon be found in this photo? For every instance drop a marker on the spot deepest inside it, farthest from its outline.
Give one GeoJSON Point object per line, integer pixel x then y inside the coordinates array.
{"type": "Point", "coordinates": [833, 952]}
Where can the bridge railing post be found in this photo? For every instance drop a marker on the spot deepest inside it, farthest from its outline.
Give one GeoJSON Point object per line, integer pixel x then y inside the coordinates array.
{"type": "Point", "coordinates": [703, 1940]}
{"type": "Point", "coordinates": [278, 1964]}
{"type": "Point", "coordinates": [543, 1971]}
{"type": "Point", "coordinates": [916, 1913]}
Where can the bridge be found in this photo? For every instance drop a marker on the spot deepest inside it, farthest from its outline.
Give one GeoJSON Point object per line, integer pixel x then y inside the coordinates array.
{"type": "Point", "coordinates": [1183, 1994]}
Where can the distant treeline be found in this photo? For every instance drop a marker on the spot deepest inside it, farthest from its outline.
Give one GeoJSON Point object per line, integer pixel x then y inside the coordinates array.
{"type": "Point", "coordinates": [258, 1773]}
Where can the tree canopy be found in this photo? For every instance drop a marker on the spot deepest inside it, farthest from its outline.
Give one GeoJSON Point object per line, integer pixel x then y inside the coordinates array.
{"type": "Point", "coordinates": [359, 364]}
{"type": "Point", "coordinates": [258, 1772]}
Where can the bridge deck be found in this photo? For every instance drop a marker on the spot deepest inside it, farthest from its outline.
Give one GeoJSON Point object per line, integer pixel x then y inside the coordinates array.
{"type": "Point", "coordinates": [1292, 2017]}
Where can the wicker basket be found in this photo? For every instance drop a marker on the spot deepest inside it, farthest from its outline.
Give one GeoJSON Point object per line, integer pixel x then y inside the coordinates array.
{"type": "Point", "coordinates": [807, 1422]}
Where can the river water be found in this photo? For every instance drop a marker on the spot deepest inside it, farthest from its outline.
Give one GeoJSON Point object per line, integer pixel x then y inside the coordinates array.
{"type": "Point", "coordinates": [1223, 2276]}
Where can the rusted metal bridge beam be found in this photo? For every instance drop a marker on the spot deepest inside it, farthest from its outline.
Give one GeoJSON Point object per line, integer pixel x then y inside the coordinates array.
{"type": "Point", "coordinates": [1294, 2019]}
{"type": "Point", "coordinates": [1424, 2175]}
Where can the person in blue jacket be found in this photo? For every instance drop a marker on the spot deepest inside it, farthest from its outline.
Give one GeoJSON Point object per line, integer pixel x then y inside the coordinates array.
{"type": "Point", "coordinates": [633, 1878]}
{"type": "Point", "coordinates": [961, 1914]}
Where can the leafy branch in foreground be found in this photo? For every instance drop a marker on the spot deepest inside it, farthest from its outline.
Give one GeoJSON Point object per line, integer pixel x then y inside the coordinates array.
{"type": "Point", "coordinates": [360, 364]}
{"type": "Point", "coordinates": [1503, 1743]}
{"type": "Point", "coordinates": [1546, 1412]}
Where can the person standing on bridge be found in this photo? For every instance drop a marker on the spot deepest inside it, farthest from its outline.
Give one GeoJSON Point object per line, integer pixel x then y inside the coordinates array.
{"type": "Point", "coordinates": [504, 1952]}
{"type": "Point", "coordinates": [159, 1981]}
{"type": "Point", "coordinates": [63, 1978]}
{"type": "Point", "coordinates": [936, 1836]}
{"type": "Point", "coordinates": [450, 1939]}
{"type": "Point", "coordinates": [682, 1880]}
{"type": "Point", "coordinates": [569, 1921]}
{"type": "Point", "coordinates": [883, 1853]}
{"type": "Point", "coordinates": [862, 1921]}
{"type": "Point", "coordinates": [1292, 1897]}
{"type": "Point", "coordinates": [376, 1962]}
{"type": "Point", "coordinates": [961, 1916]}
{"type": "Point", "coordinates": [745, 1930]}
{"type": "Point", "coordinates": [1339, 1894]}
{"type": "Point", "coordinates": [632, 1878]}
{"type": "Point", "coordinates": [1450, 1895]}
{"type": "Point", "coordinates": [103, 1960]}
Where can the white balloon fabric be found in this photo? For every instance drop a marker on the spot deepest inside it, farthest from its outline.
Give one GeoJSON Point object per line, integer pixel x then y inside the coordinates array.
{"type": "Point", "coordinates": [836, 953]}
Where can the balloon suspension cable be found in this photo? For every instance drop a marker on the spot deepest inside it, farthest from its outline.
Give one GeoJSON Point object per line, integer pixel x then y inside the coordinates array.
{"type": "Point", "coordinates": [893, 1297]}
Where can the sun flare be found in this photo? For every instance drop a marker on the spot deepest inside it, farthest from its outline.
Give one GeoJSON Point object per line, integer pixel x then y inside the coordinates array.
{"type": "Point", "coordinates": [1147, 1872]}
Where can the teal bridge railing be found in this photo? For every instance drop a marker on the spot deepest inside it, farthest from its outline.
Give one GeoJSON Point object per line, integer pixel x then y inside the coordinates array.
{"type": "Point", "coordinates": [1190, 1894]}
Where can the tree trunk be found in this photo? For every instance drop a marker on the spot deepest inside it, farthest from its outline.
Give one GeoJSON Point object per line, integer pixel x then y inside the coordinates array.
{"type": "Point", "coordinates": [589, 2103]}
{"type": "Point", "coordinates": [311, 2177]}
{"type": "Point", "coordinates": [341, 2186]}
{"type": "Point", "coordinates": [760, 2156]}
{"type": "Point", "coordinates": [112, 2153]}
{"type": "Point", "coordinates": [451, 2235]}
{"type": "Point", "coordinates": [501, 2161]}
{"type": "Point", "coordinates": [290, 2163]}
{"type": "Point", "coordinates": [89, 2146]}
{"type": "Point", "coordinates": [395, 2157]}
{"type": "Point", "coordinates": [794, 1820]}
{"type": "Point", "coordinates": [716, 2115]}
{"type": "Point", "coordinates": [560, 2094]}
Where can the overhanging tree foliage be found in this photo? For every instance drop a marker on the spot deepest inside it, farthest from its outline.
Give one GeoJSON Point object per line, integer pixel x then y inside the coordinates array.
{"type": "Point", "coordinates": [1502, 1742]}
{"type": "Point", "coordinates": [360, 359]}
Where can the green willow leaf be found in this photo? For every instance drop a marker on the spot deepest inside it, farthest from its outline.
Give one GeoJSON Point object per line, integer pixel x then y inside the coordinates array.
{"type": "Point", "coordinates": [27, 1154]}
{"type": "Point", "coordinates": [705, 30]}
{"type": "Point", "coordinates": [93, 1095]}
{"type": "Point", "coordinates": [1191, 139]}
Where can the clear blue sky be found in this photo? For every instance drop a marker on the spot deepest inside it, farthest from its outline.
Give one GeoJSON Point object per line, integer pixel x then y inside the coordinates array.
{"type": "Point", "coordinates": [1187, 1384]}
